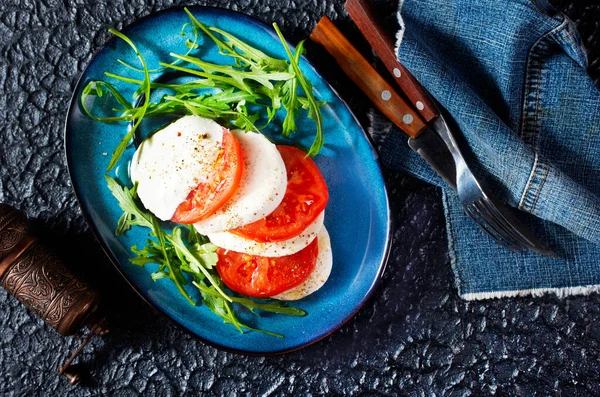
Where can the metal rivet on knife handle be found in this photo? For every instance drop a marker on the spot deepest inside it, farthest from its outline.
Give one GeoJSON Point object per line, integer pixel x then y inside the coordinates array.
{"type": "Point", "coordinates": [364, 17]}
{"type": "Point", "coordinates": [379, 91]}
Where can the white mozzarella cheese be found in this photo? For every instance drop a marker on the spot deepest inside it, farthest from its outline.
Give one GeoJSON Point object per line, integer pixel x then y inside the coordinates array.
{"type": "Point", "coordinates": [261, 189]}
{"type": "Point", "coordinates": [171, 163]}
{"type": "Point", "coordinates": [318, 277]}
{"type": "Point", "coordinates": [237, 243]}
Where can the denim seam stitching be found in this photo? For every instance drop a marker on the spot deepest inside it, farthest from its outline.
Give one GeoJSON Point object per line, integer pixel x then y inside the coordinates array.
{"type": "Point", "coordinates": [564, 37]}
{"type": "Point", "coordinates": [575, 44]}
{"type": "Point", "coordinates": [535, 183]}
{"type": "Point", "coordinates": [529, 182]}
{"type": "Point", "coordinates": [537, 96]}
{"type": "Point", "coordinates": [530, 120]}
{"type": "Point", "coordinates": [539, 190]}
{"type": "Point", "coordinates": [530, 117]}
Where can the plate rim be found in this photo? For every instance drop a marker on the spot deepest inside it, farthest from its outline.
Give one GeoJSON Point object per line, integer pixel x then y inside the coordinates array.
{"type": "Point", "coordinates": [116, 264]}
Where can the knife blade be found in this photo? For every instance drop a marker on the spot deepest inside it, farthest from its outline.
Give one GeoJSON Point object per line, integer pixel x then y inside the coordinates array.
{"type": "Point", "coordinates": [432, 149]}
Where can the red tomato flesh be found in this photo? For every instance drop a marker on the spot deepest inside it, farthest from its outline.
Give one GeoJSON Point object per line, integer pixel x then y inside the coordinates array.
{"type": "Point", "coordinates": [223, 181]}
{"type": "Point", "coordinates": [261, 276]}
{"type": "Point", "coordinates": [305, 198]}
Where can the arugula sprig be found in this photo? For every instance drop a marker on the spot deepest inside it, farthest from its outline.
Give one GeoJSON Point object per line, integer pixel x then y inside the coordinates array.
{"type": "Point", "coordinates": [156, 252]}
{"type": "Point", "coordinates": [191, 44]}
{"type": "Point", "coordinates": [223, 92]}
{"type": "Point", "coordinates": [243, 53]}
{"type": "Point", "coordinates": [187, 259]}
{"type": "Point", "coordinates": [314, 111]}
{"type": "Point", "coordinates": [141, 110]}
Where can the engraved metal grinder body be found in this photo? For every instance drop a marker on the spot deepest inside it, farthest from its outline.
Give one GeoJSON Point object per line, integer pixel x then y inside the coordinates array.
{"type": "Point", "coordinates": [30, 272]}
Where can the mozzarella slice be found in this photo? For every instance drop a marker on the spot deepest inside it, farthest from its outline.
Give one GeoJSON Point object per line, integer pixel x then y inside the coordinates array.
{"type": "Point", "coordinates": [171, 163]}
{"type": "Point", "coordinates": [318, 277]}
{"type": "Point", "coordinates": [261, 189]}
{"type": "Point", "coordinates": [237, 243]}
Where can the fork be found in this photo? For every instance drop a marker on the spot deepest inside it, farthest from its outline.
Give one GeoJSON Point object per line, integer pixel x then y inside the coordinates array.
{"type": "Point", "coordinates": [489, 214]}
{"type": "Point", "coordinates": [433, 139]}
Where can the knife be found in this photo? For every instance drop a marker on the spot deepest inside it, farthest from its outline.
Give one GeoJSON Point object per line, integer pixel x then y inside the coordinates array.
{"type": "Point", "coordinates": [423, 140]}
{"type": "Point", "coordinates": [429, 134]}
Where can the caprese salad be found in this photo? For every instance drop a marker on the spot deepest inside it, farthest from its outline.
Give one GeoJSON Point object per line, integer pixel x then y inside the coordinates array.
{"type": "Point", "coordinates": [248, 214]}
{"type": "Point", "coordinates": [263, 205]}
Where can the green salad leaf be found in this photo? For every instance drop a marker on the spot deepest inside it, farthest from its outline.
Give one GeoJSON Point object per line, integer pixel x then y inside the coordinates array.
{"type": "Point", "coordinates": [314, 111]}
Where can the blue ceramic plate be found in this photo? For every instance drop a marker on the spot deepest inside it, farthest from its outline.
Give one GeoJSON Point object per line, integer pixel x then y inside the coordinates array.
{"type": "Point", "coordinates": [357, 216]}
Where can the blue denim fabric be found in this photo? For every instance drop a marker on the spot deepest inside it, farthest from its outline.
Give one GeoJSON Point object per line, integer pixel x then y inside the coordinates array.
{"type": "Point", "coordinates": [514, 81]}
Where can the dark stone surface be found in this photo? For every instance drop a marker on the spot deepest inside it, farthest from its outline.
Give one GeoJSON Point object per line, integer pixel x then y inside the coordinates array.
{"type": "Point", "coordinates": [415, 337]}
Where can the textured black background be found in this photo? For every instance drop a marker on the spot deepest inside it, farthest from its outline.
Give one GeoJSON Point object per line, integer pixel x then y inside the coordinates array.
{"type": "Point", "coordinates": [416, 337]}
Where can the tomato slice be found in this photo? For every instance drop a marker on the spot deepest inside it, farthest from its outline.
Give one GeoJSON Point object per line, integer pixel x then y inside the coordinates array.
{"type": "Point", "coordinates": [223, 181]}
{"type": "Point", "coordinates": [305, 198]}
{"type": "Point", "coordinates": [262, 276]}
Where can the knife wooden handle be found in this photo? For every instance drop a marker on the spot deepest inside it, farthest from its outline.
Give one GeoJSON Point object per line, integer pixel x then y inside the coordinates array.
{"type": "Point", "coordinates": [379, 91]}
{"type": "Point", "coordinates": [364, 17]}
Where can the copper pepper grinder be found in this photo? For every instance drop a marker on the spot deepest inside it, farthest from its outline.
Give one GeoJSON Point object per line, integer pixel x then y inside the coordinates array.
{"type": "Point", "coordinates": [30, 272]}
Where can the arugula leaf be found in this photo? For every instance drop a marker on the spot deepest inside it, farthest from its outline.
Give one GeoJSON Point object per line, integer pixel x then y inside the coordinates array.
{"type": "Point", "coordinates": [96, 88]}
{"type": "Point", "coordinates": [225, 310]}
{"type": "Point", "coordinates": [194, 237]}
{"type": "Point", "coordinates": [256, 79]}
{"type": "Point", "coordinates": [290, 99]}
{"type": "Point", "coordinates": [224, 47]}
{"type": "Point", "coordinates": [196, 262]}
{"type": "Point", "coordinates": [260, 59]}
{"type": "Point", "coordinates": [192, 85]}
{"type": "Point", "coordinates": [314, 112]}
{"type": "Point", "coordinates": [197, 259]}
{"type": "Point", "coordinates": [133, 215]}
{"type": "Point", "coordinates": [273, 307]}
{"type": "Point", "coordinates": [191, 44]}
{"type": "Point", "coordinates": [263, 77]}
{"type": "Point", "coordinates": [145, 87]}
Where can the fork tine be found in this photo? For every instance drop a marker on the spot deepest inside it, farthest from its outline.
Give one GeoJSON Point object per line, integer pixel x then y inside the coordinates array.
{"type": "Point", "coordinates": [510, 220]}
{"type": "Point", "coordinates": [497, 224]}
{"type": "Point", "coordinates": [500, 216]}
{"type": "Point", "coordinates": [475, 214]}
{"type": "Point", "coordinates": [502, 222]}
{"type": "Point", "coordinates": [491, 216]}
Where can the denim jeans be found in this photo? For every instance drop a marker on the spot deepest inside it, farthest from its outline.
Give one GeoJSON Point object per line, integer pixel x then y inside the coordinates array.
{"type": "Point", "coordinates": [513, 77]}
